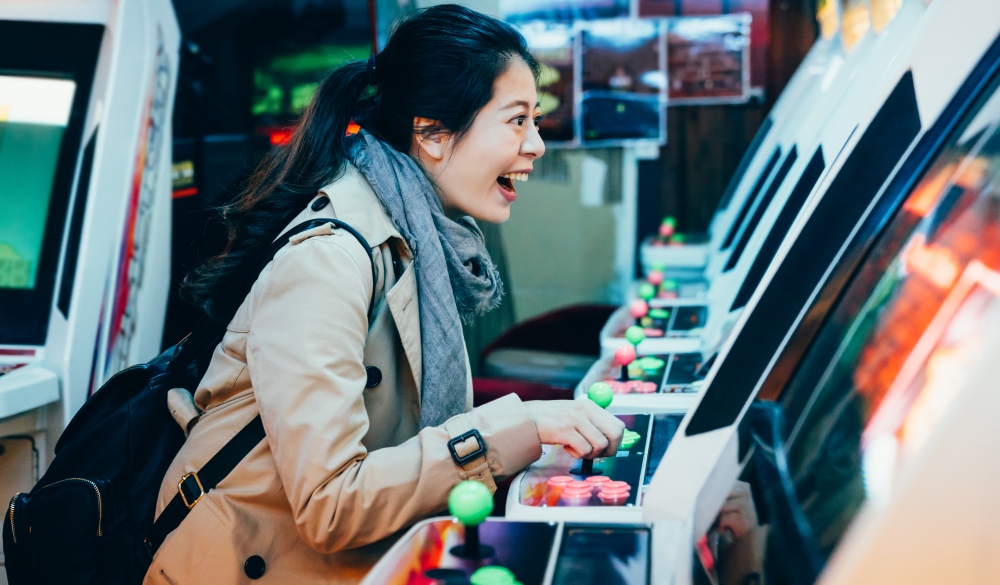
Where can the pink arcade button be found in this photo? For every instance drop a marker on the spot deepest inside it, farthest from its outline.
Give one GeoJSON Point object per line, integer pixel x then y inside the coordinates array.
{"type": "Point", "coordinates": [618, 387]}
{"type": "Point", "coordinates": [578, 487]}
{"type": "Point", "coordinates": [644, 388]}
{"type": "Point", "coordinates": [615, 499]}
{"type": "Point", "coordinates": [597, 479]}
{"type": "Point", "coordinates": [559, 480]}
{"type": "Point", "coordinates": [615, 486]}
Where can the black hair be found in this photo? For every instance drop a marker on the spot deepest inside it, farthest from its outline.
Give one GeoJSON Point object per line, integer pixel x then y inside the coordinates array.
{"type": "Point", "coordinates": [439, 63]}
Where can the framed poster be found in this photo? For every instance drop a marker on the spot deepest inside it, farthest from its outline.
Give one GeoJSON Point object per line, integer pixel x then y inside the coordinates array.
{"type": "Point", "coordinates": [554, 47]}
{"type": "Point", "coordinates": [760, 28]}
{"type": "Point", "coordinates": [622, 81]}
{"type": "Point", "coordinates": [708, 59]}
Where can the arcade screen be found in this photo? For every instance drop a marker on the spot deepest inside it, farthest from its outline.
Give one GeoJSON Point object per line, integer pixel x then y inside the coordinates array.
{"type": "Point", "coordinates": [909, 319]}
{"type": "Point", "coordinates": [34, 113]}
{"type": "Point", "coordinates": [552, 45]}
{"type": "Point", "coordinates": [562, 10]}
{"type": "Point", "coordinates": [623, 80]}
{"type": "Point", "coordinates": [708, 59]}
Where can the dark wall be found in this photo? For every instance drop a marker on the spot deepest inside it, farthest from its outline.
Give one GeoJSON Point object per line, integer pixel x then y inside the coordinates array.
{"type": "Point", "coordinates": [706, 143]}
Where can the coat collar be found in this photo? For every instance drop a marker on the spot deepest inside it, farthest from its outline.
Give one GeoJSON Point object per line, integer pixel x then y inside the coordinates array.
{"type": "Point", "coordinates": [353, 201]}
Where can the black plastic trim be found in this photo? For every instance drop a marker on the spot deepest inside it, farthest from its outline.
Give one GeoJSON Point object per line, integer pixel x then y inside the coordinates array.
{"type": "Point", "coordinates": [758, 214]}
{"type": "Point", "coordinates": [76, 227]}
{"type": "Point", "coordinates": [748, 156]}
{"type": "Point", "coordinates": [810, 176]}
{"type": "Point", "coordinates": [826, 232]}
{"type": "Point", "coordinates": [751, 198]}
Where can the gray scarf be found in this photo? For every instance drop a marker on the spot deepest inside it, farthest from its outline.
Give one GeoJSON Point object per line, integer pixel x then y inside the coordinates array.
{"type": "Point", "coordinates": [455, 277]}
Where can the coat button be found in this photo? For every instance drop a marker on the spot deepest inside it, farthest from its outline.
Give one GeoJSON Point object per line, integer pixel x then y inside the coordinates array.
{"type": "Point", "coordinates": [254, 567]}
{"type": "Point", "coordinates": [320, 203]}
{"type": "Point", "coordinates": [374, 376]}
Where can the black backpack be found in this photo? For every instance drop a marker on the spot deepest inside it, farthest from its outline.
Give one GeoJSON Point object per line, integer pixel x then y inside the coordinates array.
{"type": "Point", "coordinates": [89, 520]}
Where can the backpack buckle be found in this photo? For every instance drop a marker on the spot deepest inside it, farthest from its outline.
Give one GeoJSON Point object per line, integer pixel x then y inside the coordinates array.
{"type": "Point", "coordinates": [197, 496]}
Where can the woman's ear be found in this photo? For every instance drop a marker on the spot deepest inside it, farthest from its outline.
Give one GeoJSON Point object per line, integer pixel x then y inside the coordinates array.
{"type": "Point", "coordinates": [429, 140]}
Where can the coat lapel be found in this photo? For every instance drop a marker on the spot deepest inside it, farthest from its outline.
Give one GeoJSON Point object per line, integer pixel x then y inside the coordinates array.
{"type": "Point", "coordinates": [402, 300]}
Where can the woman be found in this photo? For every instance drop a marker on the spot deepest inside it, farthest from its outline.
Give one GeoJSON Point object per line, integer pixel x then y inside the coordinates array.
{"type": "Point", "coordinates": [359, 412]}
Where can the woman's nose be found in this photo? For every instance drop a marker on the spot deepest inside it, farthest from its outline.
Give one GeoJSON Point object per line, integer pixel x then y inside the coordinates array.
{"type": "Point", "coordinates": [533, 145]}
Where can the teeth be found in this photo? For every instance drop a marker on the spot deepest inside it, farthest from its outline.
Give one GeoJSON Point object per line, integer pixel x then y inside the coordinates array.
{"type": "Point", "coordinates": [523, 177]}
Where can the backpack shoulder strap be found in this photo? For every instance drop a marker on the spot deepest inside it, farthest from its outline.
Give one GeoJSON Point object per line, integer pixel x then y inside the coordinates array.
{"type": "Point", "coordinates": [196, 484]}
{"type": "Point", "coordinates": [314, 223]}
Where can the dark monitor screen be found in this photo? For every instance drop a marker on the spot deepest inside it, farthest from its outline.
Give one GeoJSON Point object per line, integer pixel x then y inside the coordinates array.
{"type": "Point", "coordinates": [605, 554]}
{"type": "Point", "coordinates": [46, 75]}
{"type": "Point", "coordinates": [34, 112]}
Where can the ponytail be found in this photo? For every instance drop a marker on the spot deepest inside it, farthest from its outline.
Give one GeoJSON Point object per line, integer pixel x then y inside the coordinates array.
{"type": "Point", "coordinates": [280, 187]}
{"type": "Point", "coordinates": [440, 63]}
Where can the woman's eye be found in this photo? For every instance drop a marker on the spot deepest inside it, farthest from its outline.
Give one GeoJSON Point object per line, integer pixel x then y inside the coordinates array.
{"type": "Point", "coordinates": [520, 120]}
{"type": "Point", "coordinates": [538, 120]}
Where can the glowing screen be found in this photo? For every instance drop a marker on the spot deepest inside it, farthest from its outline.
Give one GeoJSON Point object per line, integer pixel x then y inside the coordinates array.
{"type": "Point", "coordinates": [34, 113]}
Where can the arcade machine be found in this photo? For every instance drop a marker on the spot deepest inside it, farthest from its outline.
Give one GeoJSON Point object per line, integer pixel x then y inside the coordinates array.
{"type": "Point", "coordinates": [684, 263]}
{"type": "Point", "coordinates": [671, 362]}
{"type": "Point", "coordinates": [684, 259]}
{"type": "Point", "coordinates": [860, 194]}
{"type": "Point", "coordinates": [868, 459]}
{"type": "Point", "coordinates": [471, 548]}
{"type": "Point", "coordinates": [686, 325]}
{"type": "Point", "coordinates": [86, 96]}
{"type": "Point", "coordinates": [892, 392]}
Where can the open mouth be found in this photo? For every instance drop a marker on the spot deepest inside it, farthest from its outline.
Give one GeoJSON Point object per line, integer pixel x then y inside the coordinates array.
{"type": "Point", "coordinates": [506, 181]}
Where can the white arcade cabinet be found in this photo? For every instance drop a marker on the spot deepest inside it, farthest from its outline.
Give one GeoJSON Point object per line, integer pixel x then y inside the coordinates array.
{"type": "Point", "coordinates": [86, 100]}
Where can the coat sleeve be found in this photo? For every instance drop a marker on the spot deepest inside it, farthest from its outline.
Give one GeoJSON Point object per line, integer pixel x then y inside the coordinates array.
{"type": "Point", "coordinates": [304, 354]}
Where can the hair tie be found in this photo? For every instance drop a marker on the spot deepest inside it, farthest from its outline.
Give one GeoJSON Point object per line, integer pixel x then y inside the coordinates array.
{"type": "Point", "coordinates": [372, 78]}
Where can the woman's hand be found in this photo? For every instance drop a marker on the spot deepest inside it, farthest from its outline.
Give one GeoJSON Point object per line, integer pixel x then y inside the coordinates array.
{"type": "Point", "coordinates": [584, 429]}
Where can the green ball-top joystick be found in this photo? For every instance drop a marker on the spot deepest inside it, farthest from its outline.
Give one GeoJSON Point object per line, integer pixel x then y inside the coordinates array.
{"type": "Point", "coordinates": [493, 575]}
{"type": "Point", "coordinates": [635, 335]}
{"type": "Point", "coordinates": [646, 291]}
{"type": "Point", "coordinates": [601, 394]}
{"type": "Point", "coordinates": [471, 502]}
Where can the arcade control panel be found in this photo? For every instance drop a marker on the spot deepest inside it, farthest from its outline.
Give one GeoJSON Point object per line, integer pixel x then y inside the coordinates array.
{"type": "Point", "coordinates": [675, 373]}
{"type": "Point", "coordinates": [471, 549]}
{"type": "Point", "coordinates": [555, 489]}
{"type": "Point", "coordinates": [666, 321]}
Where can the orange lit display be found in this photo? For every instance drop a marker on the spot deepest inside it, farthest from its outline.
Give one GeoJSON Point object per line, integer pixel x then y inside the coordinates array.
{"type": "Point", "coordinates": [970, 231]}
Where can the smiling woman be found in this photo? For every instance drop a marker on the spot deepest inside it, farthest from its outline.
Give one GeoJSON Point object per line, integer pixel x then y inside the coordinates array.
{"type": "Point", "coordinates": [475, 173]}
{"type": "Point", "coordinates": [360, 377]}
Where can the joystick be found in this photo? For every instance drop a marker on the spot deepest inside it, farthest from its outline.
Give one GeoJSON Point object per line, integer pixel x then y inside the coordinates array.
{"type": "Point", "coordinates": [646, 291]}
{"type": "Point", "coordinates": [667, 228]}
{"type": "Point", "coordinates": [638, 309]}
{"type": "Point", "coordinates": [601, 394]}
{"type": "Point", "coordinates": [635, 335]}
{"type": "Point", "coordinates": [624, 356]}
{"type": "Point", "coordinates": [493, 575]}
{"type": "Point", "coordinates": [471, 502]}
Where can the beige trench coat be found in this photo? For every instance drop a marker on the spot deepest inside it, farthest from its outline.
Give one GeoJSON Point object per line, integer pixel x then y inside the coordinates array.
{"type": "Point", "coordinates": [343, 466]}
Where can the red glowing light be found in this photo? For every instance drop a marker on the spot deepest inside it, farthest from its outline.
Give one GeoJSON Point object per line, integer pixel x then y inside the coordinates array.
{"type": "Point", "coordinates": [280, 136]}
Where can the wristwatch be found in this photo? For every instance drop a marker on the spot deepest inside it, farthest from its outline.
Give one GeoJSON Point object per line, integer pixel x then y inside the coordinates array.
{"type": "Point", "coordinates": [459, 448]}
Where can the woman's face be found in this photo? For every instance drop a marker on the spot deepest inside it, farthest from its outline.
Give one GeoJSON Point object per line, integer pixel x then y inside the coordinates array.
{"type": "Point", "coordinates": [478, 175]}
